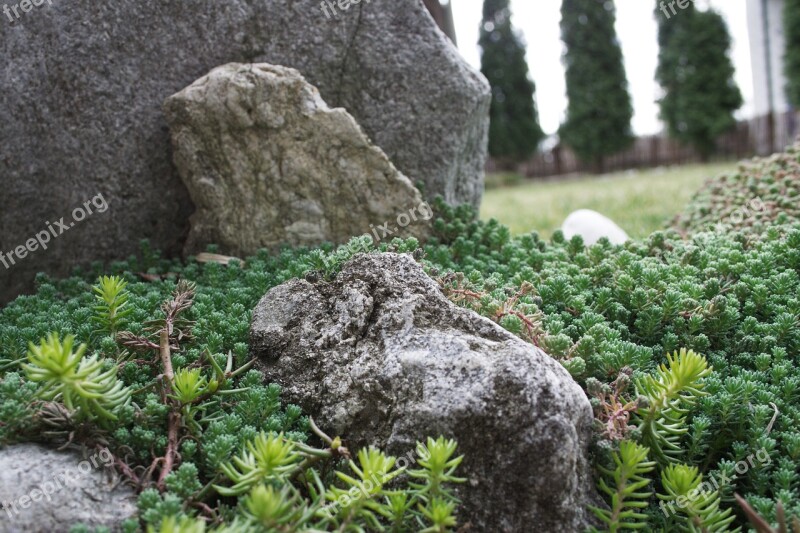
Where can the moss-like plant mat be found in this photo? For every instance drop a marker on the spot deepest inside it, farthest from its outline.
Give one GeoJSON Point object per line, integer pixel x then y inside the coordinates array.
{"type": "Point", "coordinates": [686, 344]}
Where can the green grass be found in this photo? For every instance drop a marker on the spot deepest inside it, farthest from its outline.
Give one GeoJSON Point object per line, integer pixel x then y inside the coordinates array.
{"type": "Point", "coordinates": [639, 201]}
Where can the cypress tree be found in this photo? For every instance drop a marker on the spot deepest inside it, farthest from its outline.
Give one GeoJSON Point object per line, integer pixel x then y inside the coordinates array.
{"type": "Point", "coordinates": [696, 75]}
{"type": "Point", "coordinates": [599, 113]}
{"type": "Point", "coordinates": [514, 131]}
{"type": "Point", "coordinates": [791, 27]}
{"type": "Point", "coordinates": [669, 56]}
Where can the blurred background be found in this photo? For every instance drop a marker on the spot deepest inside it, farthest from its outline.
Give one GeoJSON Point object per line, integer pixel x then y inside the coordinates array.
{"type": "Point", "coordinates": [624, 106]}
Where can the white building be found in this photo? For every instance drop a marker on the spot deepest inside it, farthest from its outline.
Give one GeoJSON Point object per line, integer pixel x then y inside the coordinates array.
{"type": "Point", "coordinates": [767, 46]}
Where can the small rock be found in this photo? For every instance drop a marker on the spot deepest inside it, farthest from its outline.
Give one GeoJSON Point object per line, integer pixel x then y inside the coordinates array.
{"type": "Point", "coordinates": [268, 163]}
{"type": "Point", "coordinates": [380, 357]}
{"type": "Point", "coordinates": [46, 491]}
{"type": "Point", "coordinates": [593, 226]}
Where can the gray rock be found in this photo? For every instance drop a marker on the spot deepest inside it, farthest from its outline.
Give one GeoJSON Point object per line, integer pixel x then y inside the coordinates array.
{"type": "Point", "coordinates": [381, 357]}
{"type": "Point", "coordinates": [82, 84]}
{"type": "Point", "coordinates": [267, 163]}
{"type": "Point", "coordinates": [43, 490]}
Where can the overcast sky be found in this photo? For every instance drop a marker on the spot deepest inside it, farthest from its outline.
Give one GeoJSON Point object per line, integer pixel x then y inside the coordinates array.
{"type": "Point", "coordinates": [538, 20]}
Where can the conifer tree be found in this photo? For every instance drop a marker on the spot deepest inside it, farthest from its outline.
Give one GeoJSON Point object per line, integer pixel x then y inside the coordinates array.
{"type": "Point", "coordinates": [514, 131]}
{"type": "Point", "coordinates": [696, 75]}
{"type": "Point", "coordinates": [791, 30]}
{"type": "Point", "coordinates": [669, 24]}
{"type": "Point", "coordinates": [598, 121]}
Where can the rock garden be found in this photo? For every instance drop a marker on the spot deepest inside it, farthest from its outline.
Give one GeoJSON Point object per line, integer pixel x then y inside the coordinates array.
{"type": "Point", "coordinates": [289, 316]}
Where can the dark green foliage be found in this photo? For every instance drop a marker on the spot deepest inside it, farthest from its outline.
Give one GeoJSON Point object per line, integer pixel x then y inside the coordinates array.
{"type": "Point", "coordinates": [763, 526]}
{"type": "Point", "coordinates": [514, 131]}
{"type": "Point", "coordinates": [16, 406]}
{"type": "Point", "coordinates": [669, 56]}
{"type": "Point", "coordinates": [697, 76]}
{"type": "Point", "coordinates": [791, 32]}
{"type": "Point", "coordinates": [599, 114]}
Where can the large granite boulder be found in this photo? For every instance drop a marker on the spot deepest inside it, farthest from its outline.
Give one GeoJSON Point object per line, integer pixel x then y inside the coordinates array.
{"type": "Point", "coordinates": [82, 84]}
{"type": "Point", "coordinates": [381, 357]}
{"type": "Point", "coordinates": [267, 163]}
{"type": "Point", "coordinates": [45, 491]}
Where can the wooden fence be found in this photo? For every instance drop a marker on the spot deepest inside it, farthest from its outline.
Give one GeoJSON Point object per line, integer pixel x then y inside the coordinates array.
{"type": "Point", "coordinates": [747, 139]}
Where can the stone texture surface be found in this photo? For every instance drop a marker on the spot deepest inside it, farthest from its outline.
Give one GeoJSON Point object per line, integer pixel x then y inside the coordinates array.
{"type": "Point", "coordinates": [267, 163]}
{"type": "Point", "coordinates": [82, 84]}
{"type": "Point", "coordinates": [45, 491]}
{"type": "Point", "coordinates": [380, 356]}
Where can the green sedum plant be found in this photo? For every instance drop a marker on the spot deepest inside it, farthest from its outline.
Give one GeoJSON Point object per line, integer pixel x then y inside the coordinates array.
{"type": "Point", "coordinates": [85, 385]}
{"type": "Point", "coordinates": [438, 465]}
{"type": "Point", "coordinates": [280, 488]}
{"type": "Point", "coordinates": [269, 457]}
{"type": "Point", "coordinates": [761, 194]}
{"type": "Point", "coordinates": [692, 507]}
{"type": "Point", "coordinates": [112, 300]}
{"type": "Point", "coordinates": [626, 488]}
{"type": "Point", "coordinates": [669, 396]}
{"type": "Point", "coordinates": [271, 509]}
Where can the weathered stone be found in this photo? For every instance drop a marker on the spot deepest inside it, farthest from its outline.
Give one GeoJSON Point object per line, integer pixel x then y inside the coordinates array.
{"type": "Point", "coordinates": [267, 163]}
{"type": "Point", "coordinates": [381, 357]}
{"type": "Point", "coordinates": [43, 490]}
{"type": "Point", "coordinates": [82, 84]}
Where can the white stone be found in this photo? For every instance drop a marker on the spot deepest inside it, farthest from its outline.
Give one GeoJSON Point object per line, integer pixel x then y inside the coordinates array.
{"type": "Point", "coordinates": [44, 490]}
{"type": "Point", "coordinates": [593, 226]}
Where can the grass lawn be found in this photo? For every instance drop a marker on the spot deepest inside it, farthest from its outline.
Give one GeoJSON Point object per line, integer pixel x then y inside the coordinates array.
{"type": "Point", "coordinates": [639, 201]}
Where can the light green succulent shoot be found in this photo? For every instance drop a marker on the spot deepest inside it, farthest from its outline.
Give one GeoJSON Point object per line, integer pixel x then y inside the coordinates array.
{"type": "Point", "coordinates": [269, 456]}
{"type": "Point", "coordinates": [78, 382]}
{"type": "Point", "coordinates": [112, 303]}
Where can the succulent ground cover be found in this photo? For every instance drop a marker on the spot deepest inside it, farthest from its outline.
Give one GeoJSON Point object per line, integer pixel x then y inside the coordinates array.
{"type": "Point", "coordinates": [155, 368]}
{"type": "Point", "coordinates": [685, 342]}
{"type": "Point", "coordinates": [678, 434]}
{"type": "Point", "coordinates": [759, 195]}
